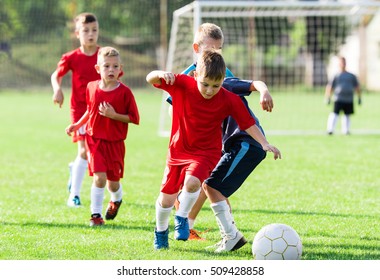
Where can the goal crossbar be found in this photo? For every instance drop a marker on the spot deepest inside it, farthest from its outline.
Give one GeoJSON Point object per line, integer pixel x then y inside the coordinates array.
{"type": "Point", "coordinates": [285, 8]}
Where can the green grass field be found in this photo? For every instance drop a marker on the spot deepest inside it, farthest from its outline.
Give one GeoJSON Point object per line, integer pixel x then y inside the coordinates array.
{"type": "Point", "coordinates": [326, 187]}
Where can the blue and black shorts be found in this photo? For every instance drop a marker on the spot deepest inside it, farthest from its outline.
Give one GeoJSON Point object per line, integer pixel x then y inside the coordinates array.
{"type": "Point", "coordinates": [234, 167]}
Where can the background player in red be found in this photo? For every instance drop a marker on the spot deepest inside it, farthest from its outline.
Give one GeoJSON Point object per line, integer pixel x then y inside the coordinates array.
{"type": "Point", "coordinates": [110, 107]}
{"type": "Point", "coordinates": [200, 105]}
{"type": "Point", "coordinates": [81, 62]}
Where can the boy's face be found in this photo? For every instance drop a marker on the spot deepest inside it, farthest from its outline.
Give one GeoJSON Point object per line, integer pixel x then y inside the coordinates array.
{"type": "Point", "coordinates": [208, 88]}
{"type": "Point", "coordinates": [88, 33]}
{"type": "Point", "coordinates": [208, 44]}
{"type": "Point", "coordinates": [109, 68]}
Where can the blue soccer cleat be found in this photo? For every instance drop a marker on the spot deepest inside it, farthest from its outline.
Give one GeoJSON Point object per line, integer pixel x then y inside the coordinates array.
{"type": "Point", "coordinates": [181, 228]}
{"type": "Point", "coordinates": [161, 239]}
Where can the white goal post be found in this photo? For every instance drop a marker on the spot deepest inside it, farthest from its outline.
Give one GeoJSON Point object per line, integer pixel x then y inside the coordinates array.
{"type": "Point", "coordinates": [287, 44]}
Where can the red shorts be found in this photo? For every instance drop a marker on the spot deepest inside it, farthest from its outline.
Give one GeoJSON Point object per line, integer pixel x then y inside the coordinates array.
{"type": "Point", "coordinates": [174, 175]}
{"type": "Point", "coordinates": [105, 156]}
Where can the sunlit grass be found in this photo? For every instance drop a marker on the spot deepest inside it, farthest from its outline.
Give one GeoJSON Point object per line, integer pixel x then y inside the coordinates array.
{"type": "Point", "coordinates": [326, 188]}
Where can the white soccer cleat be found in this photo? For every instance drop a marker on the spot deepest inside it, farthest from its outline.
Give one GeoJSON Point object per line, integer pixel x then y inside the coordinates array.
{"type": "Point", "coordinates": [231, 244]}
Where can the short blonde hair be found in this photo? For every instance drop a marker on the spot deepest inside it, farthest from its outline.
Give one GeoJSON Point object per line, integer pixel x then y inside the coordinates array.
{"type": "Point", "coordinates": [208, 30]}
{"type": "Point", "coordinates": [211, 65]}
{"type": "Point", "coordinates": [107, 51]}
{"type": "Point", "coordinates": [84, 18]}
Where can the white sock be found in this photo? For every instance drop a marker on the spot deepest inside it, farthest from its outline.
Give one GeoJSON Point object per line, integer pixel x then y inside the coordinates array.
{"type": "Point", "coordinates": [186, 202]}
{"type": "Point", "coordinates": [162, 217]}
{"type": "Point", "coordinates": [78, 171]}
{"type": "Point", "coordinates": [97, 197]}
{"type": "Point", "coordinates": [331, 122]}
{"type": "Point", "coordinates": [118, 195]}
{"type": "Point", "coordinates": [191, 223]}
{"type": "Point", "coordinates": [345, 124]}
{"type": "Point", "coordinates": [224, 218]}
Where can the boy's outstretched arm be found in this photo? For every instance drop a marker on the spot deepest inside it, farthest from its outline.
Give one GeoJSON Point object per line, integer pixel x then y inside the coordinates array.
{"type": "Point", "coordinates": [154, 77]}
{"type": "Point", "coordinates": [256, 134]}
{"type": "Point", "coordinates": [266, 100]}
{"type": "Point", "coordinates": [75, 126]}
{"type": "Point", "coordinates": [57, 90]}
{"type": "Point", "coordinates": [245, 87]}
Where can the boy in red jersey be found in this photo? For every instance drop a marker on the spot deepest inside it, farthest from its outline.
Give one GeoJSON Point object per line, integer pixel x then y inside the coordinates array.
{"type": "Point", "coordinates": [210, 36]}
{"type": "Point", "coordinates": [110, 107]}
{"type": "Point", "coordinates": [200, 105]}
{"type": "Point", "coordinates": [80, 62]}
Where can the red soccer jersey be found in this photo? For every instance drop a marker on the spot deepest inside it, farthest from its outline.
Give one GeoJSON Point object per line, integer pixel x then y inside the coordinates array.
{"type": "Point", "coordinates": [122, 100]}
{"type": "Point", "coordinates": [83, 71]}
{"type": "Point", "coordinates": [196, 125]}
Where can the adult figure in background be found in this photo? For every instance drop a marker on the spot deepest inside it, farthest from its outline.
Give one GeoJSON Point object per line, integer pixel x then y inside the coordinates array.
{"type": "Point", "coordinates": [343, 86]}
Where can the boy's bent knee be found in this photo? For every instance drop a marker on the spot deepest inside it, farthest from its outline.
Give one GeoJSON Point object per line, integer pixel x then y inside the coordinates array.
{"type": "Point", "coordinates": [100, 179]}
{"type": "Point", "coordinates": [192, 184]}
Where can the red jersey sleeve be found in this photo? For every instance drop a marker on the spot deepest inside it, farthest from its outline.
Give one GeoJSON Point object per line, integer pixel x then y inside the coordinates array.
{"type": "Point", "coordinates": [132, 109]}
{"type": "Point", "coordinates": [239, 111]}
{"type": "Point", "coordinates": [63, 65]}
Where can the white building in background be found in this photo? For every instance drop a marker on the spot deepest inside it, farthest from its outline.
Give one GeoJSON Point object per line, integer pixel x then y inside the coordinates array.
{"type": "Point", "coordinates": [362, 51]}
{"type": "Point", "coordinates": [373, 54]}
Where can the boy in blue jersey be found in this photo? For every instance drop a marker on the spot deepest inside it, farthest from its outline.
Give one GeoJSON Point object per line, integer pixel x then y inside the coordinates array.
{"type": "Point", "coordinates": [210, 36]}
{"type": "Point", "coordinates": [241, 154]}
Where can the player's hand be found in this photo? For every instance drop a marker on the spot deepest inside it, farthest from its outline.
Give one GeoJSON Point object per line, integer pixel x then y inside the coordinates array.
{"type": "Point", "coordinates": [328, 101]}
{"type": "Point", "coordinates": [266, 101]}
{"type": "Point", "coordinates": [274, 150]}
{"type": "Point", "coordinates": [168, 77]}
{"type": "Point", "coordinates": [58, 98]}
{"type": "Point", "coordinates": [69, 129]}
{"type": "Point", "coordinates": [106, 109]}
{"type": "Point", "coordinates": [359, 101]}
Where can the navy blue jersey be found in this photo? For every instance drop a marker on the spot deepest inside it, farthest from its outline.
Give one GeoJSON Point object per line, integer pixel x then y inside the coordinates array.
{"type": "Point", "coordinates": [231, 131]}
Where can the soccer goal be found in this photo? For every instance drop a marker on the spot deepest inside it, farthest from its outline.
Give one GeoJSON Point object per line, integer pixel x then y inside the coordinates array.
{"type": "Point", "coordinates": [288, 44]}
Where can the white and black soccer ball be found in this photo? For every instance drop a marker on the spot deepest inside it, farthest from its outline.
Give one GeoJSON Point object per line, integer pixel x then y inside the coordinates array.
{"type": "Point", "coordinates": [277, 242]}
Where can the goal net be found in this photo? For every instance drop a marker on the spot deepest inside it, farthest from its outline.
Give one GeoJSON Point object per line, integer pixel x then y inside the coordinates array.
{"type": "Point", "coordinates": [287, 44]}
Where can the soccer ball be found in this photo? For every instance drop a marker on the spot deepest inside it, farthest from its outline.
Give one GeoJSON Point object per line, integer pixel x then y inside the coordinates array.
{"type": "Point", "coordinates": [277, 242]}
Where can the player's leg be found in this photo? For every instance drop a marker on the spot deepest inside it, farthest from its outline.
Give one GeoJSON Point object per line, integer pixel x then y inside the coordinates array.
{"type": "Point", "coordinates": [172, 179]}
{"type": "Point", "coordinates": [115, 154]}
{"type": "Point", "coordinates": [78, 171]}
{"type": "Point", "coordinates": [232, 239]}
{"type": "Point", "coordinates": [227, 177]}
{"type": "Point", "coordinates": [97, 197]}
{"type": "Point", "coordinates": [116, 191]}
{"type": "Point", "coordinates": [333, 118]}
{"type": "Point", "coordinates": [346, 123]}
{"type": "Point", "coordinates": [331, 122]}
{"type": "Point", "coordinates": [187, 199]}
{"type": "Point", "coordinates": [164, 206]}
{"type": "Point", "coordinates": [348, 109]}
{"type": "Point", "coordinates": [194, 234]}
